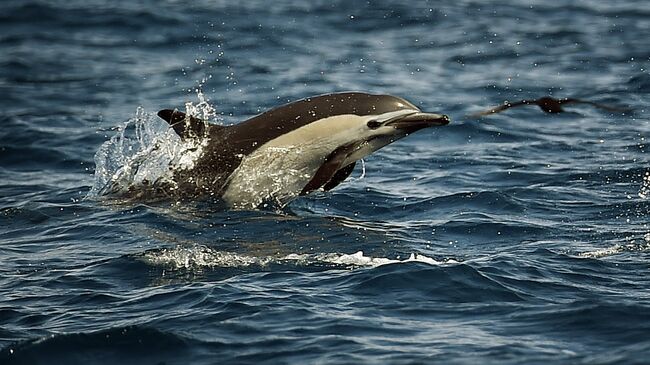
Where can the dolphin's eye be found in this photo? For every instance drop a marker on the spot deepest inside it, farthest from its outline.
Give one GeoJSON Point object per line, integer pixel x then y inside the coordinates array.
{"type": "Point", "coordinates": [373, 124]}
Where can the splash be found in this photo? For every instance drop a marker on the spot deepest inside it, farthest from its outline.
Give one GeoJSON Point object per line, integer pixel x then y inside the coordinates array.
{"type": "Point", "coordinates": [203, 109]}
{"type": "Point", "coordinates": [363, 169]}
{"type": "Point", "coordinates": [644, 192]}
{"type": "Point", "coordinates": [145, 152]}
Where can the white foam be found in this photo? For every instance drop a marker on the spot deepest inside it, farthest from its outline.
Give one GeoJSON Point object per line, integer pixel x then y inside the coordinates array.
{"type": "Point", "coordinates": [197, 257]}
{"type": "Point", "coordinates": [201, 256]}
{"type": "Point", "coordinates": [358, 259]}
{"type": "Point", "coordinates": [632, 245]}
{"type": "Point", "coordinates": [603, 252]}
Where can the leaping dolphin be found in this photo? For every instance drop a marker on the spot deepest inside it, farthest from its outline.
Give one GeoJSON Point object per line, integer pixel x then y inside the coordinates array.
{"type": "Point", "coordinates": [293, 149]}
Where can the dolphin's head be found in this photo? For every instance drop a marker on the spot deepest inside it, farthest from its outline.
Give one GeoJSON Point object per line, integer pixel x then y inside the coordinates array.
{"type": "Point", "coordinates": [399, 119]}
{"type": "Point", "coordinates": [363, 122]}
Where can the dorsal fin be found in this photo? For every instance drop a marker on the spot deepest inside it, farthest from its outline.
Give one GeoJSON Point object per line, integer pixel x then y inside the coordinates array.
{"type": "Point", "coordinates": [183, 126]}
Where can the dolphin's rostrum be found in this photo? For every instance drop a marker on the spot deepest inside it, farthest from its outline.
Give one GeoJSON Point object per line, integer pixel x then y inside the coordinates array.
{"type": "Point", "coordinates": [293, 149]}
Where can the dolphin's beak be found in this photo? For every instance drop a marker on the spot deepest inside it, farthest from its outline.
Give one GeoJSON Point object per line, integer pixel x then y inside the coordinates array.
{"type": "Point", "coordinates": [419, 120]}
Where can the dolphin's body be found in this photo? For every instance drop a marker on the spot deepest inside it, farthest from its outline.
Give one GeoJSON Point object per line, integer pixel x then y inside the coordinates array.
{"type": "Point", "coordinates": [293, 149]}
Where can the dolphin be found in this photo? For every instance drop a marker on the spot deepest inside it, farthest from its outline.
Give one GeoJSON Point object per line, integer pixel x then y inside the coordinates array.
{"type": "Point", "coordinates": [293, 149]}
{"type": "Point", "coordinates": [548, 104]}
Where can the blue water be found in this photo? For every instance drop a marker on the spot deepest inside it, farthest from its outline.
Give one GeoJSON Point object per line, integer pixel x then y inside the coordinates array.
{"type": "Point", "coordinates": [522, 237]}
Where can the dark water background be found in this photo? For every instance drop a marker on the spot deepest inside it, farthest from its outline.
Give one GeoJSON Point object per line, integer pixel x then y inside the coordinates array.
{"type": "Point", "coordinates": [529, 232]}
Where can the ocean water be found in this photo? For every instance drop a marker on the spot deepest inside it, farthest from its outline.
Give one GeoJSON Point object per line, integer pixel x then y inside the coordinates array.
{"type": "Point", "coordinates": [521, 237]}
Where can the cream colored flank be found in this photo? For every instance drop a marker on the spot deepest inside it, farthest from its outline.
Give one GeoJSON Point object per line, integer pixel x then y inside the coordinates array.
{"type": "Point", "coordinates": [279, 169]}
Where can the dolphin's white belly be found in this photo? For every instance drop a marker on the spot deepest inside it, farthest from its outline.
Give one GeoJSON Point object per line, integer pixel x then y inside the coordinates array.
{"type": "Point", "coordinates": [273, 174]}
{"type": "Point", "coordinates": [280, 169]}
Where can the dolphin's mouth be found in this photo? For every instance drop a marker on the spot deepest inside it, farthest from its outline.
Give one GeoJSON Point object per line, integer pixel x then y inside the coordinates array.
{"type": "Point", "coordinates": [418, 120]}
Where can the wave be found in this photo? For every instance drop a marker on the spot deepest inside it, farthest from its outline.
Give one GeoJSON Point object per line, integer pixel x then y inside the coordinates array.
{"type": "Point", "coordinates": [134, 344]}
{"type": "Point", "coordinates": [200, 256]}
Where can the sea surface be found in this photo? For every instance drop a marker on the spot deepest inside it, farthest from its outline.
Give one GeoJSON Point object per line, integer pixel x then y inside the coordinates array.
{"type": "Point", "coordinates": [517, 238]}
